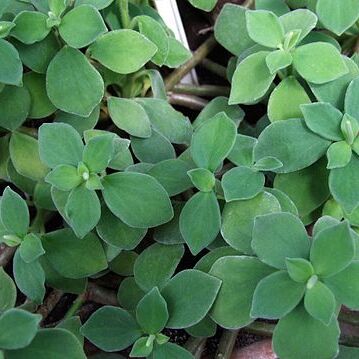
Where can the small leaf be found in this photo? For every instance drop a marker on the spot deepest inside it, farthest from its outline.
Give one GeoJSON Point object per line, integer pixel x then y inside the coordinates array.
{"type": "Point", "coordinates": [129, 116]}
{"type": "Point", "coordinates": [170, 350]}
{"type": "Point", "coordinates": [206, 5]}
{"type": "Point", "coordinates": [267, 164]}
{"type": "Point", "coordinates": [323, 119]}
{"type": "Point", "coordinates": [81, 26]}
{"type": "Point", "coordinates": [11, 66]}
{"type": "Point", "coordinates": [299, 269]}
{"type": "Point", "coordinates": [242, 183]}
{"type": "Point", "coordinates": [151, 312]}
{"type": "Point", "coordinates": [313, 339]}
{"type": "Point", "coordinates": [278, 60]}
{"type": "Point", "coordinates": [285, 100]}
{"type": "Point", "coordinates": [30, 27]}
{"type": "Point", "coordinates": [177, 53]}
{"type": "Point", "coordinates": [271, 241]}
{"type": "Point", "coordinates": [202, 179]}
{"type": "Point", "coordinates": [242, 151]}
{"type": "Point", "coordinates": [123, 51]}
{"type": "Point", "coordinates": [319, 302]}
{"type": "Point", "coordinates": [59, 144]}
{"type": "Point", "coordinates": [339, 155]}
{"type": "Point", "coordinates": [187, 302]}
{"type": "Point", "coordinates": [31, 248]}
{"type": "Point", "coordinates": [330, 67]}
{"type": "Point", "coordinates": [207, 149]}
{"type": "Point", "coordinates": [18, 328]}
{"type": "Point", "coordinates": [276, 295]}
{"type": "Point", "coordinates": [142, 348]}
{"type": "Point", "coordinates": [65, 77]}
{"type": "Point", "coordinates": [332, 250]}
{"type": "Point", "coordinates": [14, 213]}
{"type": "Point", "coordinates": [251, 80]}
{"type": "Point", "coordinates": [351, 99]}
{"type": "Point", "coordinates": [264, 28]}
{"type": "Point", "coordinates": [64, 177]}
{"type": "Point", "coordinates": [111, 329]}
{"type": "Point", "coordinates": [137, 199]}
{"type": "Point", "coordinates": [156, 265]}
{"type": "Point", "coordinates": [7, 291]}
{"type": "Point", "coordinates": [200, 221]}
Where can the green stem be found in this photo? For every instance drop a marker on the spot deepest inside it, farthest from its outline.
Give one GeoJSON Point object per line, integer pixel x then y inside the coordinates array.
{"type": "Point", "coordinates": [124, 13]}
{"type": "Point", "coordinates": [204, 90]}
{"type": "Point", "coordinates": [76, 305]}
{"type": "Point", "coordinates": [191, 102]}
{"type": "Point", "coordinates": [226, 344]}
{"type": "Point", "coordinates": [215, 68]}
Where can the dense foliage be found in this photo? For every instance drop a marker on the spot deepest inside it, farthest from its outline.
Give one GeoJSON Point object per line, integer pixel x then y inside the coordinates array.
{"type": "Point", "coordinates": [100, 173]}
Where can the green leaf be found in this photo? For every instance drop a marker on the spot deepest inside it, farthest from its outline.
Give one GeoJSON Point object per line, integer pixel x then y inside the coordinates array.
{"type": "Point", "coordinates": [278, 60]}
{"type": "Point", "coordinates": [72, 325]}
{"type": "Point", "coordinates": [29, 278]}
{"type": "Point", "coordinates": [206, 5]}
{"type": "Point", "coordinates": [339, 16]}
{"type": "Point", "coordinates": [345, 286]}
{"type": "Point", "coordinates": [129, 294]}
{"type": "Point", "coordinates": [41, 106]}
{"type": "Point", "coordinates": [30, 27]}
{"type": "Point", "coordinates": [206, 328]}
{"type": "Point", "coordinates": [156, 265]}
{"type": "Point", "coordinates": [31, 248]}
{"type": "Point", "coordinates": [65, 252]}
{"type": "Point", "coordinates": [200, 221]}
{"type": "Point", "coordinates": [59, 144]}
{"type": "Point", "coordinates": [177, 54]}
{"type": "Point", "coordinates": [267, 164]}
{"type": "Point", "coordinates": [334, 92]}
{"type": "Point", "coordinates": [285, 100]}
{"type": "Point", "coordinates": [64, 177]}
{"type": "Point", "coordinates": [323, 119]}
{"type": "Point", "coordinates": [240, 276]}
{"type": "Point", "coordinates": [71, 73]}
{"type": "Point", "coordinates": [307, 188]}
{"type": "Point", "coordinates": [116, 233]}
{"type": "Point", "coordinates": [83, 209]}
{"type": "Point", "coordinates": [124, 263]}
{"type": "Point", "coordinates": [172, 175]}
{"type": "Point", "coordinates": [202, 179]}
{"type": "Point", "coordinates": [313, 339]}
{"type": "Point", "coordinates": [24, 153]}
{"type": "Point", "coordinates": [123, 51]}
{"type": "Point", "coordinates": [5, 28]}
{"type": "Point", "coordinates": [242, 151]}
{"type": "Point", "coordinates": [284, 200]}
{"type": "Point", "coordinates": [11, 66]}
{"type": "Point", "coordinates": [299, 19]}
{"type": "Point", "coordinates": [242, 183]}
{"type": "Point", "coordinates": [238, 219]}
{"type": "Point", "coordinates": [155, 32]}
{"type": "Point", "coordinates": [111, 329]}
{"type": "Point", "coordinates": [330, 67]}
{"type": "Point", "coordinates": [129, 116]}
{"type": "Point", "coordinates": [137, 199]}
{"type": "Point", "coordinates": [332, 250]}
{"type": "Point", "coordinates": [320, 302]}
{"type": "Point", "coordinates": [271, 242]}
{"type": "Point", "coordinates": [151, 312]}
{"type": "Point", "coordinates": [98, 152]}
{"type": "Point", "coordinates": [305, 147]}
{"type": "Point", "coordinates": [14, 213]}
{"type": "Point", "coordinates": [142, 348]}
{"type": "Point", "coordinates": [251, 80]}
{"type": "Point", "coordinates": [299, 269]}
{"type": "Point", "coordinates": [188, 303]}
{"type": "Point", "coordinates": [278, 7]}
{"type": "Point", "coordinates": [207, 149]}
{"type": "Point", "coordinates": [15, 103]}
{"type": "Point", "coordinates": [57, 7]}
{"type": "Point", "coordinates": [264, 28]}
{"type": "Point", "coordinates": [7, 291]}
{"type": "Point", "coordinates": [18, 328]}
{"type": "Point", "coordinates": [276, 295]}
{"type": "Point", "coordinates": [350, 99]}
{"type": "Point", "coordinates": [231, 21]}
{"type": "Point", "coordinates": [55, 343]}
{"type": "Point", "coordinates": [82, 26]}
{"type": "Point", "coordinates": [170, 350]}
{"type": "Point", "coordinates": [344, 185]}
{"type": "Point", "coordinates": [98, 4]}
{"type": "Point", "coordinates": [339, 155]}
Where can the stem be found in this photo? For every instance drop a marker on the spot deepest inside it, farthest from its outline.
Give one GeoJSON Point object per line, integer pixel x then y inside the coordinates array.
{"type": "Point", "coordinates": [124, 13]}
{"type": "Point", "coordinates": [76, 305]}
{"type": "Point", "coordinates": [215, 68]}
{"type": "Point", "coordinates": [226, 344]}
{"type": "Point", "coordinates": [50, 303]}
{"type": "Point", "coordinates": [193, 343]}
{"type": "Point", "coordinates": [101, 295]}
{"type": "Point", "coordinates": [6, 254]}
{"type": "Point", "coordinates": [176, 76]}
{"type": "Point", "coordinates": [204, 90]}
{"type": "Point", "coordinates": [191, 102]}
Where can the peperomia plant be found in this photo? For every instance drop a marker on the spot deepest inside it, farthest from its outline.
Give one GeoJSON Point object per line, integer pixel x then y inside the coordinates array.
{"type": "Point", "coordinates": [137, 227]}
